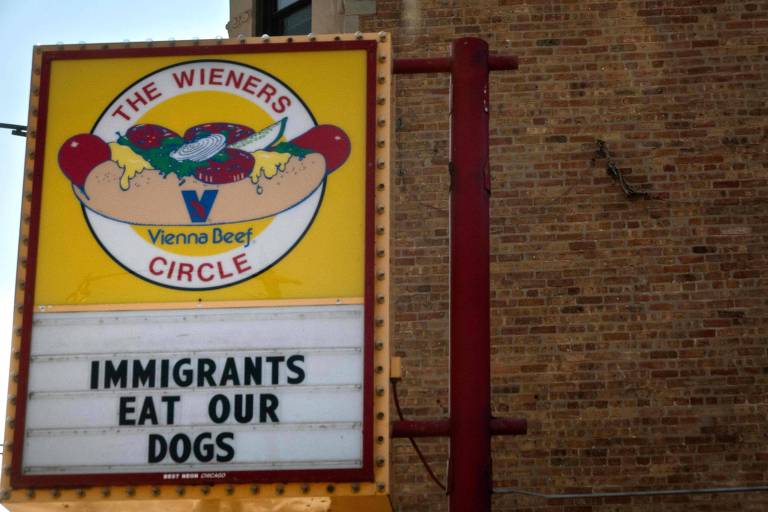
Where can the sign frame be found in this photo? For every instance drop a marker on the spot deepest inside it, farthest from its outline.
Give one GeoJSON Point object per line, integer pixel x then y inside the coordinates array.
{"type": "Point", "coordinates": [376, 280]}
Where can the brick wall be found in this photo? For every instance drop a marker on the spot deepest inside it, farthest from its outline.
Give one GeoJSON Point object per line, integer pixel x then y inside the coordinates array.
{"type": "Point", "coordinates": [633, 334]}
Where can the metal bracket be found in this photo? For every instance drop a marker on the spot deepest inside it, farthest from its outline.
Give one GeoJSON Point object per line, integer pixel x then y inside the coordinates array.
{"type": "Point", "coordinates": [16, 129]}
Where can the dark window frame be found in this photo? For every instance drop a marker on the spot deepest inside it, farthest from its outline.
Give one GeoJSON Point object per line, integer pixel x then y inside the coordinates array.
{"type": "Point", "coordinates": [270, 20]}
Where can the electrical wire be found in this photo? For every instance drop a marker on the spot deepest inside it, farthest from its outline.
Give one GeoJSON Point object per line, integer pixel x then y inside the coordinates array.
{"type": "Point", "coordinates": [16, 129]}
{"type": "Point", "coordinates": [413, 441]}
{"type": "Point", "coordinates": [613, 170]}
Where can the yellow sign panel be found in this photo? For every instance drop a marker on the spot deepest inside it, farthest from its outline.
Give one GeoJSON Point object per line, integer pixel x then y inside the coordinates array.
{"type": "Point", "coordinates": [212, 178]}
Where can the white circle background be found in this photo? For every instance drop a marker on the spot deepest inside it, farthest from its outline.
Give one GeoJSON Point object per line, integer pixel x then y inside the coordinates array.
{"type": "Point", "coordinates": [134, 252]}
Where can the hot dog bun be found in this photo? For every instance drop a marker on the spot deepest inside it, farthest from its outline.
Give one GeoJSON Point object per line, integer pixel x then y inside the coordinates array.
{"type": "Point", "coordinates": [154, 199]}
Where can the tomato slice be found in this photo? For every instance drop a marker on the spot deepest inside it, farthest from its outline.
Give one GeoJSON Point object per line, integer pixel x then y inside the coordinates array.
{"type": "Point", "coordinates": [149, 136]}
{"type": "Point", "coordinates": [236, 167]}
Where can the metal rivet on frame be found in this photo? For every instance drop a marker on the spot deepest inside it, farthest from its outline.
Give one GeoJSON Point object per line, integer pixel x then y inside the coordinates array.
{"type": "Point", "coordinates": [279, 488]}
{"type": "Point", "coordinates": [265, 38]}
{"type": "Point", "coordinates": [379, 391]}
{"type": "Point", "coordinates": [380, 276]}
{"type": "Point", "coordinates": [355, 487]}
{"type": "Point", "coordinates": [382, 36]}
{"type": "Point", "coordinates": [130, 491]}
{"type": "Point", "coordinates": [55, 493]}
{"type": "Point", "coordinates": [381, 122]}
{"type": "Point", "coordinates": [382, 58]}
{"type": "Point", "coordinates": [30, 493]}
{"type": "Point", "coordinates": [380, 230]}
{"type": "Point", "coordinates": [330, 488]}
{"type": "Point", "coordinates": [80, 493]}
{"type": "Point", "coordinates": [180, 490]}
{"type": "Point", "coordinates": [230, 489]}
{"type": "Point", "coordinates": [380, 461]}
{"type": "Point", "coordinates": [358, 35]}
{"type": "Point", "coordinates": [381, 164]}
{"type": "Point", "coordinates": [380, 253]}
{"type": "Point", "coordinates": [379, 416]}
{"type": "Point", "coordinates": [105, 491]}
{"type": "Point", "coordinates": [381, 100]}
{"type": "Point", "coordinates": [379, 322]}
{"type": "Point", "coordinates": [380, 187]}
{"type": "Point", "coordinates": [380, 210]}
{"type": "Point", "coordinates": [304, 488]}
{"type": "Point", "coordinates": [255, 489]}
{"type": "Point", "coordinates": [380, 486]}
{"type": "Point", "coordinates": [382, 79]}
{"type": "Point", "coordinates": [379, 369]}
{"type": "Point", "coordinates": [380, 299]}
{"type": "Point", "coordinates": [205, 489]}
{"type": "Point", "coordinates": [155, 490]}
{"type": "Point", "coordinates": [311, 36]}
{"type": "Point", "coordinates": [380, 439]}
{"type": "Point", "coordinates": [379, 345]}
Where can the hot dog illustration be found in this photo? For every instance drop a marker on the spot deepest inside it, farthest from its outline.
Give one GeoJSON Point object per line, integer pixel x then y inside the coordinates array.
{"type": "Point", "coordinates": [215, 173]}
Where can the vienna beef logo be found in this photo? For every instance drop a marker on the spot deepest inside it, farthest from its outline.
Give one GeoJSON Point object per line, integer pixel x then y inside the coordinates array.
{"type": "Point", "coordinates": [215, 204]}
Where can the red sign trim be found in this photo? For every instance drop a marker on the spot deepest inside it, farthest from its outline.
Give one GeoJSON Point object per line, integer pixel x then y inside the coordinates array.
{"type": "Point", "coordinates": [364, 473]}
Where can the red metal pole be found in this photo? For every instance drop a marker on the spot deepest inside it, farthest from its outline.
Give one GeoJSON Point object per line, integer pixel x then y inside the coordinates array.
{"type": "Point", "coordinates": [470, 483]}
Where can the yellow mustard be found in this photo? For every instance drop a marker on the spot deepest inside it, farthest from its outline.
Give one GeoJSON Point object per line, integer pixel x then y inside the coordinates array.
{"type": "Point", "coordinates": [131, 163]}
{"type": "Point", "coordinates": [268, 163]}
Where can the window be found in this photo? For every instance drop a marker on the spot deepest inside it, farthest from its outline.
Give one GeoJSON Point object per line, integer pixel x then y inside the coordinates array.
{"type": "Point", "coordinates": [286, 17]}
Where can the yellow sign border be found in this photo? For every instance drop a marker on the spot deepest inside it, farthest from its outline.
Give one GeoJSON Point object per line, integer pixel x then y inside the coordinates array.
{"type": "Point", "coordinates": [187, 497]}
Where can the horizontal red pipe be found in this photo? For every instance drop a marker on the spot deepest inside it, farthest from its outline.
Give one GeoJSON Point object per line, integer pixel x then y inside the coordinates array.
{"type": "Point", "coordinates": [441, 428]}
{"type": "Point", "coordinates": [443, 65]}
{"type": "Point", "coordinates": [502, 62]}
{"type": "Point", "coordinates": [509, 427]}
{"type": "Point", "coordinates": [408, 66]}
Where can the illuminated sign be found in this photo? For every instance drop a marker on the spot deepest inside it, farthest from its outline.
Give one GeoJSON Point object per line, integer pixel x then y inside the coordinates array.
{"type": "Point", "coordinates": [205, 278]}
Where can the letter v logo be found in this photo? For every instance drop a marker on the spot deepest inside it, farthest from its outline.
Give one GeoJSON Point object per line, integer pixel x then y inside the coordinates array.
{"type": "Point", "coordinates": [199, 207]}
